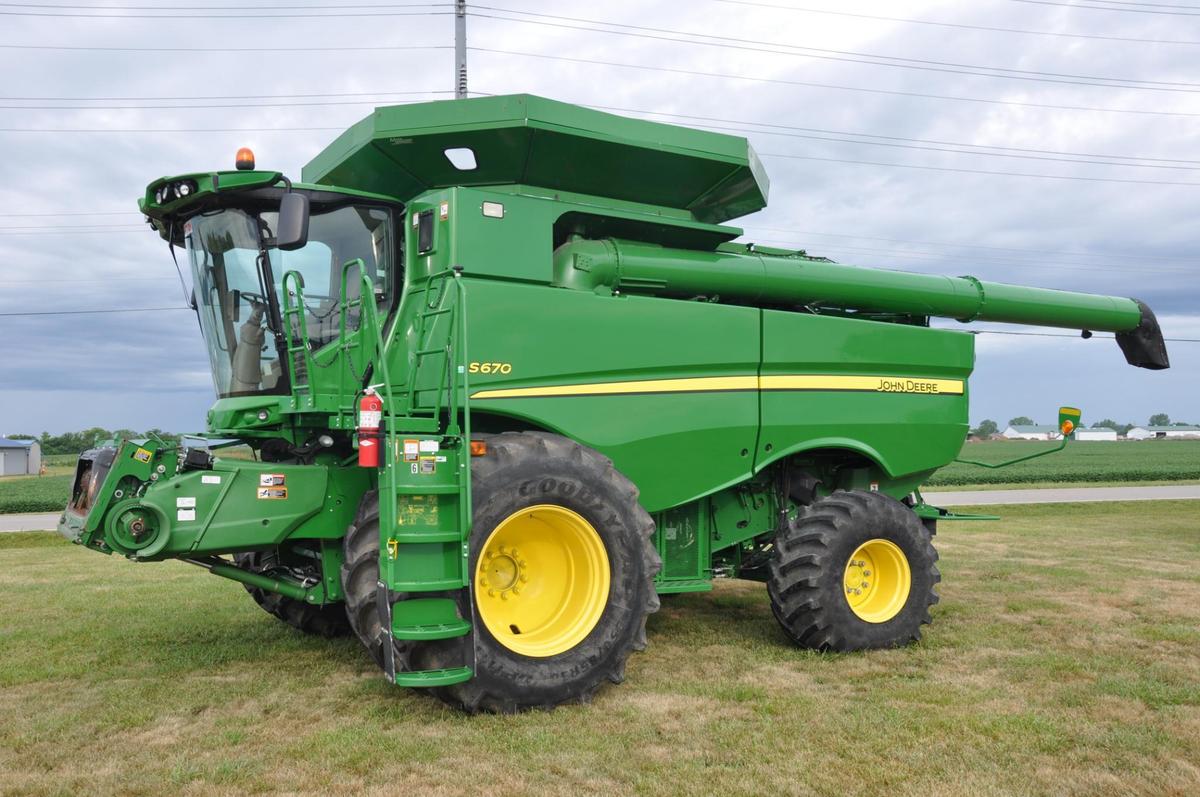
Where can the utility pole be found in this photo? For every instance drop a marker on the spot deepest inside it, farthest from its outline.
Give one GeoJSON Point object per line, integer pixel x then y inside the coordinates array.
{"type": "Point", "coordinates": [460, 49]}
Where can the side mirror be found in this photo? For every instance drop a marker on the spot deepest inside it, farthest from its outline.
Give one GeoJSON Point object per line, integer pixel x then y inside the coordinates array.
{"type": "Point", "coordinates": [292, 229]}
{"type": "Point", "coordinates": [1068, 420]}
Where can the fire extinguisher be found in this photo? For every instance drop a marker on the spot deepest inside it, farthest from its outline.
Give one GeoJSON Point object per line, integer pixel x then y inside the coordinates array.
{"type": "Point", "coordinates": [370, 416]}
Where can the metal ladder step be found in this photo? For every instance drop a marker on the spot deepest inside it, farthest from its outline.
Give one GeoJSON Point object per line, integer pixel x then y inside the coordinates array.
{"type": "Point", "coordinates": [426, 678]}
{"type": "Point", "coordinates": [431, 489]}
{"type": "Point", "coordinates": [428, 586]}
{"type": "Point", "coordinates": [409, 537]}
{"type": "Point", "coordinates": [432, 631]}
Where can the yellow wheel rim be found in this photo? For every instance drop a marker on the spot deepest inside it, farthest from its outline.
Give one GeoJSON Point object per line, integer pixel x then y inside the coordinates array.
{"type": "Point", "coordinates": [877, 581]}
{"type": "Point", "coordinates": [542, 580]}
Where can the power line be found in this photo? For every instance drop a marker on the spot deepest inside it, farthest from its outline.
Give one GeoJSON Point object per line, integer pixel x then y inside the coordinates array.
{"type": "Point", "coordinates": [810, 84]}
{"type": "Point", "coordinates": [894, 144]}
{"type": "Point", "coordinates": [388, 48]}
{"type": "Point", "coordinates": [802, 132]}
{"type": "Point", "coordinates": [172, 130]}
{"type": "Point", "coordinates": [959, 25]}
{"type": "Point", "coordinates": [207, 106]}
{"type": "Point", "coordinates": [215, 49]}
{"type": "Point", "coordinates": [890, 138]}
{"type": "Point", "coordinates": [1108, 8]}
{"type": "Point", "coordinates": [93, 312]}
{"type": "Point", "coordinates": [789, 230]}
{"type": "Point", "coordinates": [972, 246]}
{"type": "Point", "coordinates": [23, 228]}
{"type": "Point", "coordinates": [58, 232]}
{"type": "Point", "coordinates": [919, 255]}
{"type": "Point", "coordinates": [221, 96]}
{"type": "Point", "coordinates": [222, 8]}
{"type": "Point", "coordinates": [855, 251]}
{"type": "Point", "coordinates": [73, 281]}
{"type": "Point", "coordinates": [141, 17]}
{"type": "Point", "coordinates": [71, 213]}
{"type": "Point", "coordinates": [978, 171]}
{"type": "Point", "coordinates": [1135, 3]}
{"type": "Point", "coordinates": [848, 56]}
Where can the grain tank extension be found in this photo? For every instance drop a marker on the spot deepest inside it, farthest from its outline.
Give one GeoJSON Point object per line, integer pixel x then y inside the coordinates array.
{"type": "Point", "coordinates": [577, 392]}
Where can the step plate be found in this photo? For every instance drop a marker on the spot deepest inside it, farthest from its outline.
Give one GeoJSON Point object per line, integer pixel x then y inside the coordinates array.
{"type": "Point", "coordinates": [427, 678]}
{"type": "Point", "coordinates": [431, 631]}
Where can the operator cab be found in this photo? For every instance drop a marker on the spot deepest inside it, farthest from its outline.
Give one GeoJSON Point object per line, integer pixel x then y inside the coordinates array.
{"type": "Point", "coordinates": [239, 249]}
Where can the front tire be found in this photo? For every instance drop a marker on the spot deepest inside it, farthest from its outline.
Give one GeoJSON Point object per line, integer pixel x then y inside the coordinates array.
{"type": "Point", "coordinates": [544, 507]}
{"type": "Point", "coordinates": [327, 621]}
{"type": "Point", "coordinates": [856, 571]}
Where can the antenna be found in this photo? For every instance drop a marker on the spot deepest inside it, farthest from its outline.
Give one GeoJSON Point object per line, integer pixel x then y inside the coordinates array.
{"type": "Point", "coordinates": [460, 49]}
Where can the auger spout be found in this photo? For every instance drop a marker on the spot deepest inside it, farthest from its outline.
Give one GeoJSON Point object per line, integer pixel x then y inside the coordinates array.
{"type": "Point", "coordinates": [798, 281]}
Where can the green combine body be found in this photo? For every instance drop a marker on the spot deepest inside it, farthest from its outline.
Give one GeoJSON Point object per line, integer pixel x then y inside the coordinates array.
{"type": "Point", "coordinates": [590, 397]}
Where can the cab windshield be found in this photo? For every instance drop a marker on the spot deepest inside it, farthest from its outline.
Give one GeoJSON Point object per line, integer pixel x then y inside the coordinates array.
{"type": "Point", "coordinates": [239, 296]}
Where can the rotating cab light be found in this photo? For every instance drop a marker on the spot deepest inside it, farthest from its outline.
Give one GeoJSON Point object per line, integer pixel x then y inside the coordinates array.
{"type": "Point", "coordinates": [244, 159]}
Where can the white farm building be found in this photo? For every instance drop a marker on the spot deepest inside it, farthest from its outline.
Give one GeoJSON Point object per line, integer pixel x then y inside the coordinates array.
{"type": "Point", "coordinates": [19, 457]}
{"type": "Point", "coordinates": [1163, 432]}
{"type": "Point", "coordinates": [1098, 433]}
{"type": "Point", "coordinates": [1036, 432]}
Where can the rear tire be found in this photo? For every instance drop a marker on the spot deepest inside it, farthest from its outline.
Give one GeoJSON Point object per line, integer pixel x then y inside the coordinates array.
{"type": "Point", "coordinates": [855, 572]}
{"type": "Point", "coordinates": [327, 621]}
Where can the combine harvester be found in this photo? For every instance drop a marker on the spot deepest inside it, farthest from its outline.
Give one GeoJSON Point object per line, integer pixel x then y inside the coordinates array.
{"type": "Point", "coordinates": [509, 380]}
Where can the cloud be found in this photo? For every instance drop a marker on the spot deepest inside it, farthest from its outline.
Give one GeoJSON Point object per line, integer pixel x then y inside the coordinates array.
{"type": "Point", "coordinates": [1125, 239]}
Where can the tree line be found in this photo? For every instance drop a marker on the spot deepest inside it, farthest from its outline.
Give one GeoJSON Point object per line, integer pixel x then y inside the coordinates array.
{"type": "Point", "coordinates": [988, 427]}
{"type": "Point", "coordinates": [78, 442]}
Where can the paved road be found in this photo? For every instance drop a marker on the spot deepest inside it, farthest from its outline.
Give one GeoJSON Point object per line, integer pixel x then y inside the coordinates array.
{"type": "Point", "coordinates": [1057, 495]}
{"type": "Point", "coordinates": [49, 520]}
{"type": "Point", "coordinates": [30, 522]}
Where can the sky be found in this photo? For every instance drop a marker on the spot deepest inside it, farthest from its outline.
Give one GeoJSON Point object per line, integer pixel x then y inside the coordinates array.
{"type": "Point", "coordinates": [1041, 143]}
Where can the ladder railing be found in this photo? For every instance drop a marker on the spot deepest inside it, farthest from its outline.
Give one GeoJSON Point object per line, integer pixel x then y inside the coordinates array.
{"type": "Point", "coordinates": [295, 330]}
{"type": "Point", "coordinates": [366, 345]}
{"type": "Point", "coordinates": [423, 546]}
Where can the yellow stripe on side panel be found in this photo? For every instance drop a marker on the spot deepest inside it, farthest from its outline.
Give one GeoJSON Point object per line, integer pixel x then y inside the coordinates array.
{"type": "Point", "coordinates": [689, 385]}
{"type": "Point", "coordinates": [872, 384]}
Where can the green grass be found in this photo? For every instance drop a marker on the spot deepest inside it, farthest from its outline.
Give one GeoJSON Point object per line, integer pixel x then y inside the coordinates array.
{"type": "Point", "coordinates": [1091, 462]}
{"type": "Point", "coordinates": [34, 493]}
{"type": "Point", "coordinates": [950, 488]}
{"type": "Point", "coordinates": [1064, 658]}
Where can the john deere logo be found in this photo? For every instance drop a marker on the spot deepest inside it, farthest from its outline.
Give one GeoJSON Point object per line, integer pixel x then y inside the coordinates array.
{"type": "Point", "coordinates": [907, 386]}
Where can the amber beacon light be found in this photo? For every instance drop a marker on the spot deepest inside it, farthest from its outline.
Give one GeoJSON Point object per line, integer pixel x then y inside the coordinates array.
{"type": "Point", "coordinates": [245, 159]}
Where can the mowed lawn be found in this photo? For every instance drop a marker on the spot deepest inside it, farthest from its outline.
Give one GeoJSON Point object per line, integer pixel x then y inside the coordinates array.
{"type": "Point", "coordinates": [1064, 659]}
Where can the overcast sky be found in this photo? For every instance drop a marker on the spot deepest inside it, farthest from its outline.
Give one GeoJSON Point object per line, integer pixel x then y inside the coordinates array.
{"type": "Point", "coordinates": [884, 193]}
